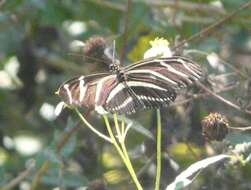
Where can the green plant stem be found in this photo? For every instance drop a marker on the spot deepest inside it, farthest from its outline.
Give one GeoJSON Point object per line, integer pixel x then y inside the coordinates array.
{"type": "Point", "coordinates": [127, 156]}
{"type": "Point", "coordinates": [123, 125]}
{"type": "Point", "coordinates": [115, 117]}
{"type": "Point", "coordinates": [158, 172]}
{"type": "Point", "coordinates": [122, 137]}
{"type": "Point", "coordinates": [92, 128]}
{"type": "Point", "coordinates": [122, 155]}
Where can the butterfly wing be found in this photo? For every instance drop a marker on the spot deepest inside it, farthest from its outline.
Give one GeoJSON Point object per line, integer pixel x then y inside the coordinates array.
{"type": "Point", "coordinates": [134, 95]}
{"type": "Point", "coordinates": [176, 72]}
{"type": "Point", "coordinates": [88, 91]}
{"type": "Point", "coordinates": [152, 84]}
{"type": "Point", "coordinates": [148, 84]}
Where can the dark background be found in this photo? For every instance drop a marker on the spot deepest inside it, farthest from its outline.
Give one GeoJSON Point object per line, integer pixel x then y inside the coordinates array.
{"type": "Point", "coordinates": [37, 54]}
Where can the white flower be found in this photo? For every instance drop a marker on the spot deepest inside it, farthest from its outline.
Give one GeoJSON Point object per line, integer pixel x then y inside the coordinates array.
{"type": "Point", "coordinates": [160, 47]}
{"type": "Point", "coordinates": [214, 60]}
{"type": "Point", "coordinates": [59, 108]}
{"type": "Point", "coordinates": [47, 111]}
{"type": "Point", "coordinates": [74, 27]}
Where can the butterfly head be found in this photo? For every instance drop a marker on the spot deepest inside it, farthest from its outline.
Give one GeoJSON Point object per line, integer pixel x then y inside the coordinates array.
{"type": "Point", "coordinates": [114, 68]}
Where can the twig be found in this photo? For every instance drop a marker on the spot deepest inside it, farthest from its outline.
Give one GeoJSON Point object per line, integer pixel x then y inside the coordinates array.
{"type": "Point", "coordinates": [148, 163]}
{"type": "Point", "coordinates": [2, 2]}
{"type": "Point", "coordinates": [201, 95]}
{"type": "Point", "coordinates": [227, 102]}
{"type": "Point", "coordinates": [240, 128]}
{"type": "Point", "coordinates": [44, 168]}
{"type": "Point", "coordinates": [20, 177]}
{"type": "Point", "coordinates": [195, 19]}
{"type": "Point", "coordinates": [66, 137]}
{"type": "Point", "coordinates": [210, 28]}
{"type": "Point", "coordinates": [111, 5]}
{"type": "Point", "coordinates": [55, 61]}
{"type": "Point", "coordinates": [189, 6]}
{"type": "Point", "coordinates": [190, 148]}
{"type": "Point", "coordinates": [125, 34]}
{"type": "Point", "coordinates": [221, 60]}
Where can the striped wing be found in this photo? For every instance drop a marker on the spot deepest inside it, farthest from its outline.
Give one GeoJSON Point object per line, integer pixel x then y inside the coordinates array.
{"type": "Point", "coordinates": [134, 95]}
{"type": "Point", "coordinates": [87, 91]}
{"type": "Point", "coordinates": [176, 72]}
{"type": "Point", "coordinates": [152, 84]}
{"type": "Point", "coordinates": [148, 84]}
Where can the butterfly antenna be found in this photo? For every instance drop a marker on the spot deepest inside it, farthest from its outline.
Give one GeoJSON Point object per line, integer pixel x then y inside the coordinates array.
{"type": "Point", "coordinates": [89, 57]}
{"type": "Point", "coordinates": [113, 51]}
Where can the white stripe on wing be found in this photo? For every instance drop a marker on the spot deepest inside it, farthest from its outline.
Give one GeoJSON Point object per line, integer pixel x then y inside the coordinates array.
{"type": "Point", "coordinates": [100, 83]}
{"type": "Point", "coordinates": [121, 86]}
{"type": "Point", "coordinates": [82, 88]}
{"type": "Point", "coordinates": [66, 87]}
{"type": "Point", "coordinates": [154, 73]}
{"type": "Point", "coordinates": [188, 68]}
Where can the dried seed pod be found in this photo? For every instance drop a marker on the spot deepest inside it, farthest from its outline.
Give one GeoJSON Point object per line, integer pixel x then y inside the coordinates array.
{"type": "Point", "coordinates": [97, 184]}
{"type": "Point", "coordinates": [214, 127]}
{"type": "Point", "coordinates": [96, 50]}
{"type": "Point", "coordinates": [95, 47]}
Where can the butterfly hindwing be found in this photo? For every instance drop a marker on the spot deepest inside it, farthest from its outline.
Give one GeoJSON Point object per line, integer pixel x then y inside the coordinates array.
{"type": "Point", "coordinates": [134, 95]}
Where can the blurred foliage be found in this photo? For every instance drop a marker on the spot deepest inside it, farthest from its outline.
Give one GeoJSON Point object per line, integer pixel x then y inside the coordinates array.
{"type": "Point", "coordinates": [37, 54]}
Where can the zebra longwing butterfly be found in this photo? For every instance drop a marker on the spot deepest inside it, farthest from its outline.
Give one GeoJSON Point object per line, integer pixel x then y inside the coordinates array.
{"type": "Point", "coordinates": [147, 84]}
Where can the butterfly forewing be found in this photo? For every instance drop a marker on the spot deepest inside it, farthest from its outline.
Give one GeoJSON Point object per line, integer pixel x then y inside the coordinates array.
{"type": "Point", "coordinates": [81, 91]}
{"type": "Point", "coordinates": [176, 72]}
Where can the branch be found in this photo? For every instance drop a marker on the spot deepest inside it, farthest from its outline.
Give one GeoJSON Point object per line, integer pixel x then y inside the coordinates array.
{"type": "Point", "coordinates": [20, 177]}
{"type": "Point", "coordinates": [125, 34]}
{"type": "Point", "coordinates": [57, 62]}
{"type": "Point", "coordinates": [212, 27]}
{"type": "Point", "coordinates": [111, 5]}
{"type": "Point", "coordinates": [240, 128]}
{"type": "Point", "coordinates": [201, 95]}
{"type": "Point", "coordinates": [189, 6]}
{"type": "Point", "coordinates": [225, 101]}
{"type": "Point", "coordinates": [2, 2]}
{"type": "Point", "coordinates": [43, 169]}
{"type": "Point", "coordinates": [238, 71]}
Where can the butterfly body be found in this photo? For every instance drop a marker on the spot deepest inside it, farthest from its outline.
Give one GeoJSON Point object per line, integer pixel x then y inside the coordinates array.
{"type": "Point", "coordinates": [147, 84]}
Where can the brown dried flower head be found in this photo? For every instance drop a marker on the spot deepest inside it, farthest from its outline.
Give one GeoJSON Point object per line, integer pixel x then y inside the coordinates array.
{"type": "Point", "coordinates": [95, 46]}
{"type": "Point", "coordinates": [214, 127]}
{"type": "Point", "coordinates": [97, 184]}
{"type": "Point", "coordinates": [97, 51]}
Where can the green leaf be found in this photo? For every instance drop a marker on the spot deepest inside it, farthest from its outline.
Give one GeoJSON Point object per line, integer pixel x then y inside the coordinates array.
{"type": "Point", "coordinates": [54, 13]}
{"type": "Point", "coordinates": [69, 147]}
{"type": "Point", "coordinates": [105, 16]}
{"type": "Point", "coordinates": [47, 154]}
{"type": "Point", "coordinates": [187, 176]}
{"type": "Point", "coordinates": [55, 177]}
{"type": "Point", "coordinates": [3, 179]}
